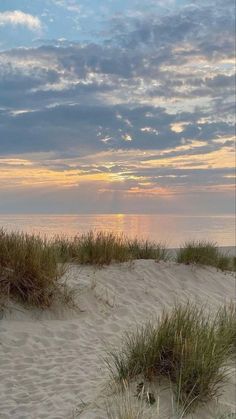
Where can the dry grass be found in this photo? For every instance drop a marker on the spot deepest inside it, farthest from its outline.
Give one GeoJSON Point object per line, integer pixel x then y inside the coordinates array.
{"type": "Point", "coordinates": [29, 271]}
{"type": "Point", "coordinates": [226, 326]}
{"type": "Point", "coordinates": [205, 253]}
{"type": "Point", "coordinates": [30, 266]}
{"type": "Point", "coordinates": [125, 406]}
{"type": "Point", "coordinates": [185, 347]}
{"type": "Point", "coordinates": [104, 248]}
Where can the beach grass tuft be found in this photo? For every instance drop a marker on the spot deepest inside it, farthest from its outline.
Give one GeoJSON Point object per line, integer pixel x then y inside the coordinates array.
{"type": "Point", "coordinates": [204, 253]}
{"type": "Point", "coordinates": [29, 270]}
{"type": "Point", "coordinates": [125, 406]}
{"type": "Point", "coordinates": [145, 249]}
{"type": "Point", "coordinates": [226, 326]}
{"type": "Point", "coordinates": [100, 248]}
{"type": "Point", "coordinates": [184, 346]}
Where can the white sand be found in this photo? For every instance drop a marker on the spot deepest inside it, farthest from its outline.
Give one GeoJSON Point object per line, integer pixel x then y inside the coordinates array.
{"type": "Point", "coordinates": [52, 363]}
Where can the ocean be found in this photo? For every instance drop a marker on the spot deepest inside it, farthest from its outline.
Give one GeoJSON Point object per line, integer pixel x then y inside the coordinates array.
{"type": "Point", "coordinates": [173, 230]}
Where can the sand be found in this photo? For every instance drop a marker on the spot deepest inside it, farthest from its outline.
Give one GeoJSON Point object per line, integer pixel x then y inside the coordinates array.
{"type": "Point", "coordinates": [52, 363]}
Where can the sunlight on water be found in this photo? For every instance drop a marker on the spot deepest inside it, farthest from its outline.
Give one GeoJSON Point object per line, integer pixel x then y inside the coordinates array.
{"type": "Point", "coordinates": [171, 229]}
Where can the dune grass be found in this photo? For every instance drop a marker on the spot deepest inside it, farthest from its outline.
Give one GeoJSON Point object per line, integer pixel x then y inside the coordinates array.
{"type": "Point", "coordinates": [184, 346]}
{"type": "Point", "coordinates": [92, 248]}
{"type": "Point", "coordinates": [125, 406]}
{"type": "Point", "coordinates": [144, 249]}
{"type": "Point", "coordinates": [101, 248]}
{"type": "Point", "coordinates": [104, 248]}
{"type": "Point", "coordinates": [31, 266]}
{"type": "Point", "coordinates": [29, 270]}
{"type": "Point", "coordinates": [226, 326]}
{"type": "Point", "coordinates": [204, 253]}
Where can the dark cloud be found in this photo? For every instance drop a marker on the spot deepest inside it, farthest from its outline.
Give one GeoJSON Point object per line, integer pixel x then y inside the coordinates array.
{"type": "Point", "coordinates": [221, 81]}
{"type": "Point", "coordinates": [127, 91]}
{"type": "Point", "coordinates": [84, 128]}
{"type": "Point", "coordinates": [89, 129]}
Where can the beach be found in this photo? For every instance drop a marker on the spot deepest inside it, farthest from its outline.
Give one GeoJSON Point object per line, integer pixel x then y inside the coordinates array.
{"type": "Point", "coordinates": [52, 361]}
{"type": "Point", "coordinates": [117, 209]}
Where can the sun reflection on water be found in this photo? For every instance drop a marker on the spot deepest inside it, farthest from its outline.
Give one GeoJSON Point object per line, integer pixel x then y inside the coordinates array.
{"type": "Point", "coordinates": [171, 229]}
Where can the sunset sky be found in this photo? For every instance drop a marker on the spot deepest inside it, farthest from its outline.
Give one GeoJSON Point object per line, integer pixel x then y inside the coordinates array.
{"type": "Point", "coordinates": [117, 106]}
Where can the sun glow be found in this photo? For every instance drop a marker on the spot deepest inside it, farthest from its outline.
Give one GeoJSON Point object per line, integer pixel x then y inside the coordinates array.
{"type": "Point", "coordinates": [131, 173]}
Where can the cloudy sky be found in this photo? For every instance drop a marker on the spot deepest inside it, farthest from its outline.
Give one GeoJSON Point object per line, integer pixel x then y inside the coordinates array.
{"type": "Point", "coordinates": [120, 106]}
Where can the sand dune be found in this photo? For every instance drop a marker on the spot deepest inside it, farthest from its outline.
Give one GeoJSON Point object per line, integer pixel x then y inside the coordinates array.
{"type": "Point", "coordinates": [52, 362]}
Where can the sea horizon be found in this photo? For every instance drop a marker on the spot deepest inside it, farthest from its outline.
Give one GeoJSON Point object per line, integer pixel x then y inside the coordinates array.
{"type": "Point", "coordinates": [172, 229]}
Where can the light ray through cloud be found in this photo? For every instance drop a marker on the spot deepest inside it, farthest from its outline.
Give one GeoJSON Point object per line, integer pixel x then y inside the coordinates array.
{"type": "Point", "coordinates": [127, 105]}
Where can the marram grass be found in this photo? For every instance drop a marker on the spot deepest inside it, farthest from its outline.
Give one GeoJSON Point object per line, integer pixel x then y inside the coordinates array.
{"type": "Point", "coordinates": [30, 266]}
{"type": "Point", "coordinates": [205, 253]}
{"type": "Point", "coordinates": [104, 248]}
{"type": "Point", "coordinates": [29, 270]}
{"type": "Point", "coordinates": [226, 326]}
{"type": "Point", "coordinates": [124, 405]}
{"type": "Point", "coordinates": [184, 346]}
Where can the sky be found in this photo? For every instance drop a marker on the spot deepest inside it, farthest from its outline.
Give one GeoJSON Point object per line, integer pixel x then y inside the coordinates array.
{"type": "Point", "coordinates": [117, 106]}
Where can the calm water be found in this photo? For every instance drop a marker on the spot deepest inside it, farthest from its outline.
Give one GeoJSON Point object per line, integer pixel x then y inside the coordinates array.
{"type": "Point", "coordinates": [170, 229]}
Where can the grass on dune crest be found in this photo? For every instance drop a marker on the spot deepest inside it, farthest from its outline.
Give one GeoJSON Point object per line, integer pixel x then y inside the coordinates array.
{"type": "Point", "coordinates": [205, 253]}
{"type": "Point", "coordinates": [31, 266]}
{"type": "Point", "coordinates": [29, 270]}
{"type": "Point", "coordinates": [101, 248]}
{"type": "Point", "coordinates": [104, 248]}
{"type": "Point", "coordinates": [184, 346]}
{"type": "Point", "coordinates": [144, 249]}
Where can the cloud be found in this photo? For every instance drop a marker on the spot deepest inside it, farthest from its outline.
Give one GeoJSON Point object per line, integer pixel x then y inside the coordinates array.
{"type": "Point", "coordinates": [146, 108]}
{"type": "Point", "coordinates": [70, 5]}
{"type": "Point", "coordinates": [17, 17]}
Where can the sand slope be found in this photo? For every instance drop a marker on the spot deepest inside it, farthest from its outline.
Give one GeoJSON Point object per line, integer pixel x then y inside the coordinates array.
{"type": "Point", "coordinates": [52, 363]}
